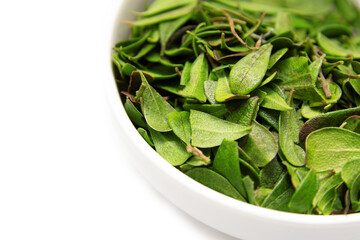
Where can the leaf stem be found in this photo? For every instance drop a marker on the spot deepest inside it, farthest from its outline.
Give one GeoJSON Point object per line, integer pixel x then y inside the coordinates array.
{"type": "Point", "coordinates": [140, 92]}
{"type": "Point", "coordinates": [324, 85]}
{"type": "Point", "coordinates": [233, 31]}
{"type": "Point", "coordinates": [197, 152]}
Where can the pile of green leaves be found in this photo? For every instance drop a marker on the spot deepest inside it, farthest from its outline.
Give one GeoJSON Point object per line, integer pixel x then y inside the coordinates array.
{"type": "Point", "coordinates": [258, 99]}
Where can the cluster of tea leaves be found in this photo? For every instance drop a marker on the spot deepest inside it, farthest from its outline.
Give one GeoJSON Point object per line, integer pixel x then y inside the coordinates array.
{"type": "Point", "coordinates": [258, 99]}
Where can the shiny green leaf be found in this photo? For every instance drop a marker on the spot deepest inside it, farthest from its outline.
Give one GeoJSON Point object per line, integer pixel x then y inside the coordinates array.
{"type": "Point", "coordinates": [303, 197]}
{"type": "Point", "coordinates": [288, 137]}
{"type": "Point", "coordinates": [227, 164]}
{"type": "Point", "coordinates": [248, 73]}
{"type": "Point", "coordinates": [156, 108]}
{"type": "Point", "coordinates": [214, 181]}
{"type": "Point", "coordinates": [331, 148]}
{"type": "Point", "coordinates": [179, 123]}
{"type": "Point", "coordinates": [281, 195]}
{"type": "Point", "coordinates": [350, 171]}
{"type": "Point", "coordinates": [261, 145]}
{"type": "Point", "coordinates": [352, 123]}
{"type": "Point", "coordinates": [170, 147]}
{"type": "Point", "coordinates": [210, 131]}
{"type": "Point", "coordinates": [330, 119]}
{"type": "Point", "coordinates": [198, 75]}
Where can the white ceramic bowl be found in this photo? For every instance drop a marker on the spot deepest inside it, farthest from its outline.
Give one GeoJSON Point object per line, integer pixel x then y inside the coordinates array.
{"type": "Point", "coordinates": [225, 214]}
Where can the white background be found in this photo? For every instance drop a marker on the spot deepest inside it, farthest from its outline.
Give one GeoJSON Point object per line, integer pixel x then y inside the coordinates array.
{"type": "Point", "coordinates": [63, 172]}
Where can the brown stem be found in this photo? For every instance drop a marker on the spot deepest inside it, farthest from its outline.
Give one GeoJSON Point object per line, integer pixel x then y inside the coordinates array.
{"type": "Point", "coordinates": [218, 58]}
{"type": "Point", "coordinates": [353, 76]}
{"type": "Point", "coordinates": [233, 31]}
{"type": "Point", "coordinates": [197, 152]}
{"type": "Point", "coordinates": [324, 85]}
{"type": "Point", "coordinates": [178, 71]}
{"type": "Point", "coordinates": [130, 96]}
{"type": "Point", "coordinates": [224, 19]}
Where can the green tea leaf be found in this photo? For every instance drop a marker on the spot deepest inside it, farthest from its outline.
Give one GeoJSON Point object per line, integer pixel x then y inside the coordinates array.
{"type": "Point", "coordinates": [245, 113]}
{"type": "Point", "coordinates": [271, 173]}
{"type": "Point", "coordinates": [269, 79]}
{"type": "Point", "coordinates": [288, 130]}
{"type": "Point", "coordinates": [214, 181]}
{"type": "Point", "coordinates": [281, 195]}
{"type": "Point", "coordinates": [179, 123]}
{"type": "Point", "coordinates": [249, 169]}
{"type": "Point", "coordinates": [227, 164]}
{"type": "Point", "coordinates": [196, 161]}
{"type": "Point", "coordinates": [311, 112]}
{"type": "Point", "coordinates": [261, 145]}
{"type": "Point", "coordinates": [303, 197]}
{"type": "Point", "coordinates": [134, 114]}
{"type": "Point", "coordinates": [166, 16]}
{"type": "Point", "coordinates": [294, 73]}
{"type": "Point", "coordinates": [290, 68]}
{"type": "Point", "coordinates": [297, 174]}
{"type": "Point", "coordinates": [283, 22]}
{"type": "Point", "coordinates": [156, 108]}
{"type": "Point", "coordinates": [210, 88]}
{"type": "Point", "coordinates": [155, 57]}
{"type": "Point", "coordinates": [160, 6]}
{"type": "Point", "coordinates": [185, 75]}
{"type": "Point", "coordinates": [171, 148]}
{"type": "Point", "coordinates": [330, 119]}
{"type": "Point", "coordinates": [261, 194]}
{"type": "Point", "coordinates": [331, 148]}
{"type": "Point", "coordinates": [347, 10]}
{"type": "Point", "coordinates": [198, 75]}
{"type": "Point", "coordinates": [217, 110]}
{"type": "Point", "coordinates": [249, 186]}
{"type": "Point", "coordinates": [274, 101]}
{"type": "Point", "coordinates": [210, 131]}
{"type": "Point", "coordinates": [350, 171]}
{"type": "Point", "coordinates": [355, 83]}
{"type": "Point", "coordinates": [334, 48]}
{"type": "Point", "coordinates": [143, 51]}
{"type": "Point", "coordinates": [131, 48]}
{"type": "Point", "coordinates": [145, 135]}
{"type": "Point", "coordinates": [271, 117]}
{"type": "Point", "coordinates": [355, 194]}
{"type": "Point", "coordinates": [248, 73]}
{"type": "Point", "coordinates": [276, 57]}
{"type": "Point", "coordinates": [223, 91]}
{"type": "Point", "coordinates": [178, 52]}
{"type": "Point", "coordinates": [353, 123]}
{"type": "Point", "coordinates": [168, 28]}
{"type": "Point", "coordinates": [325, 197]}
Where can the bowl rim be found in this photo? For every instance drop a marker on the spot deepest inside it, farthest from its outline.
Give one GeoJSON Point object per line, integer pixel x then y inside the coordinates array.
{"type": "Point", "coordinates": [171, 172]}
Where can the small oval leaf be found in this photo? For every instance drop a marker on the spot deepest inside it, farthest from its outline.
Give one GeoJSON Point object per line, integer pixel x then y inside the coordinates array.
{"type": "Point", "coordinates": [209, 131]}
{"type": "Point", "coordinates": [331, 148]}
{"type": "Point", "coordinates": [248, 73]}
{"type": "Point", "coordinates": [156, 108]}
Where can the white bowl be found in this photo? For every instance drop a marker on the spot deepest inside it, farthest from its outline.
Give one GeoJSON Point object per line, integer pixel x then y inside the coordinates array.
{"type": "Point", "coordinates": [223, 213]}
